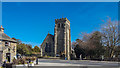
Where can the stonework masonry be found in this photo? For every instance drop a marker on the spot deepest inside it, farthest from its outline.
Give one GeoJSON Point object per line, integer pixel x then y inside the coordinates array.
{"type": "Point", "coordinates": [7, 47]}
{"type": "Point", "coordinates": [62, 39]}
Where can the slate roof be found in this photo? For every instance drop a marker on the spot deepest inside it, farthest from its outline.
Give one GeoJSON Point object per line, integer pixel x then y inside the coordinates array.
{"type": "Point", "coordinates": [5, 37]}
{"type": "Point", "coordinates": [48, 36]}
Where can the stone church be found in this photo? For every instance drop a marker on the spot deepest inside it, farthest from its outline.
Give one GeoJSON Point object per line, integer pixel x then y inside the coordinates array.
{"type": "Point", "coordinates": [7, 47]}
{"type": "Point", "coordinates": [59, 43]}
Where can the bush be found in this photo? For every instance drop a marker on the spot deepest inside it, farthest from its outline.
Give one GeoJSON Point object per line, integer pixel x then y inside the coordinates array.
{"type": "Point", "coordinates": [30, 58]}
{"type": "Point", "coordinates": [19, 61]}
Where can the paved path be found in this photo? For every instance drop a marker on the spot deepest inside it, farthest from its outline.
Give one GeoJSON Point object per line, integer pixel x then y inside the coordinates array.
{"type": "Point", "coordinates": [50, 62]}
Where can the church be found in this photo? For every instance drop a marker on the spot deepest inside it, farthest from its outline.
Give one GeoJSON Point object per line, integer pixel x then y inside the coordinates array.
{"type": "Point", "coordinates": [58, 44]}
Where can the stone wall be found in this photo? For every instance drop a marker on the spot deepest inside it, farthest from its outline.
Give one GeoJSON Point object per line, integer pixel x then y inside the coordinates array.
{"type": "Point", "coordinates": [1, 56]}
{"type": "Point", "coordinates": [12, 51]}
{"type": "Point", "coordinates": [48, 46]}
{"type": "Point", "coordinates": [62, 37]}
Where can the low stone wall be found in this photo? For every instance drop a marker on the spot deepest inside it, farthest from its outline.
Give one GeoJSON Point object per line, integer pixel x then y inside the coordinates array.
{"type": "Point", "coordinates": [19, 66]}
{"type": "Point", "coordinates": [23, 66]}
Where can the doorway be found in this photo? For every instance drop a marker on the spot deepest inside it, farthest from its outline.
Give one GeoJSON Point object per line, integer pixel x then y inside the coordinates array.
{"type": "Point", "coordinates": [8, 57]}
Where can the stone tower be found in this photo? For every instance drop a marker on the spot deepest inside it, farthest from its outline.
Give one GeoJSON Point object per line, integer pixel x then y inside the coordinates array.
{"type": "Point", "coordinates": [62, 37]}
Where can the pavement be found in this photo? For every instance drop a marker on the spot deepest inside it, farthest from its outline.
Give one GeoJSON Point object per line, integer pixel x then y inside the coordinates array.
{"type": "Point", "coordinates": [57, 63]}
{"type": "Point", "coordinates": [89, 63]}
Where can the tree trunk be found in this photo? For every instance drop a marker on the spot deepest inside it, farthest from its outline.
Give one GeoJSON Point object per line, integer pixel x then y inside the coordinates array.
{"type": "Point", "coordinates": [112, 53]}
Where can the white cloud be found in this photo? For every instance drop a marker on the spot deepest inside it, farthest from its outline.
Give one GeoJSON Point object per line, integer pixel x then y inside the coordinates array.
{"type": "Point", "coordinates": [32, 43]}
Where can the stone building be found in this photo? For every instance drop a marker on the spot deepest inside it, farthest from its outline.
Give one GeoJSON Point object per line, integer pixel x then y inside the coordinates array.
{"type": "Point", "coordinates": [62, 39]}
{"type": "Point", "coordinates": [47, 47]}
{"type": "Point", "coordinates": [7, 47]}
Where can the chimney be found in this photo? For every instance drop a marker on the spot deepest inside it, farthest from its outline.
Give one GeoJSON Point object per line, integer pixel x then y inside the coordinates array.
{"type": "Point", "coordinates": [1, 29]}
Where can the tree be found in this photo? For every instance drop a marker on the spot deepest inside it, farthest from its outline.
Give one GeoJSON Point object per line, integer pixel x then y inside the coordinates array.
{"type": "Point", "coordinates": [29, 47]}
{"type": "Point", "coordinates": [96, 44]}
{"type": "Point", "coordinates": [104, 42]}
{"type": "Point", "coordinates": [117, 51]}
{"type": "Point", "coordinates": [90, 45]}
{"type": "Point", "coordinates": [110, 37]}
{"type": "Point", "coordinates": [36, 49]}
{"type": "Point", "coordinates": [21, 48]}
{"type": "Point", "coordinates": [24, 49]}
{"type": "Point", "coordinates": [78, 48]}
{"type": "Point", "coordinates": [93, 45]}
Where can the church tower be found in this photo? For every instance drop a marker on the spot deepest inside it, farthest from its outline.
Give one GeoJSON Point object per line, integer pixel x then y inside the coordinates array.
{"type": "Point", "coordinates": [62, 37]}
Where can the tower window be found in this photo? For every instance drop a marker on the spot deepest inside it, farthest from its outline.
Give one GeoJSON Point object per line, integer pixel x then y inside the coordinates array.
{"type": "Point", "coordinates": [58, 25]}
{"type": "Point", "coordinates": [62, 25]}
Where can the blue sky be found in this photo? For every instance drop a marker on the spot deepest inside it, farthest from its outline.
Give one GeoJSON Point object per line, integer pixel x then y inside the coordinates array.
{"type": "Point", "coordinates": [60, 0]}
{"type": "Point", "coordinates": [31, 21]}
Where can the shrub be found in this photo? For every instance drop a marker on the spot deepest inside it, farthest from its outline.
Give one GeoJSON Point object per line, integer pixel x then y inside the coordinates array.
{"type": "Point", "coordinates": [19, 61]}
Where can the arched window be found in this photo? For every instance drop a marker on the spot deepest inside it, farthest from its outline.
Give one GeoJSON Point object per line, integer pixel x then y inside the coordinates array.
{"type": "Point", "coordinates": [62, 25]}
{"type": "Point", "coordinates": [58, 25]}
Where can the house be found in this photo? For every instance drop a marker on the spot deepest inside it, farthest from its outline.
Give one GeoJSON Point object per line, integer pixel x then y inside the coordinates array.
{"type": "Point", "coordinates": [7, 47]}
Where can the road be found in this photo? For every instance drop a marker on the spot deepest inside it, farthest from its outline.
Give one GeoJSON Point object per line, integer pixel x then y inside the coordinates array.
{"type": "Point", "coordinates": [88, 63]}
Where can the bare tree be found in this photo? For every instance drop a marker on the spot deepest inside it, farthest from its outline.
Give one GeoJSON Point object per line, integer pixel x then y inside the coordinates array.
{"type": "Point", "coordinates": [110, 37]}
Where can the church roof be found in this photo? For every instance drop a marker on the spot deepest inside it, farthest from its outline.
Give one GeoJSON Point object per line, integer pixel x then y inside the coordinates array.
{"type": "Point", "coordinates": [48, 36]}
